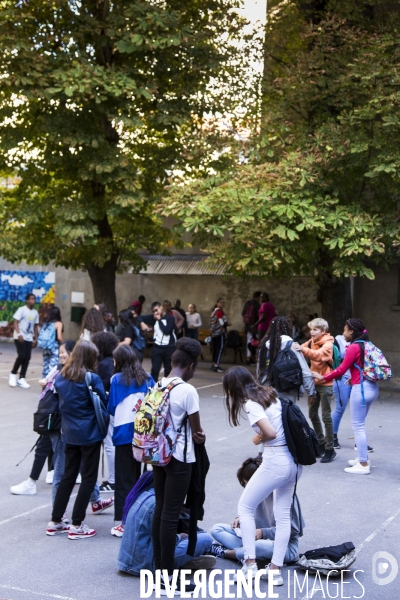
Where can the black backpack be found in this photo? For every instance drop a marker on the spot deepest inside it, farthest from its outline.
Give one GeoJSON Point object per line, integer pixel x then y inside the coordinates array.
{"type": "Point", "coordinates": [233, 339]}
{"type": "Point", "coordinates": [301, 439]}
{"type": "Point", "coordinates": [286, 372]}
{"type": "Point", "coordinates": [47, 418]}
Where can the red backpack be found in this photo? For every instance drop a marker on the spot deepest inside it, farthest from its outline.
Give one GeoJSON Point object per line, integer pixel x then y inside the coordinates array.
{"type": "Point", "coordinates": [250, 312]}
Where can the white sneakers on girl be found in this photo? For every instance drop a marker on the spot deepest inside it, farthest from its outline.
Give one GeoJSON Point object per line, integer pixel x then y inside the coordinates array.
{"type": "Point", "coordinates": [252, 569]}
{"type": "Point", "coordinates": [274, 573]}
{"type": "Point", "coordinates": [358, 469]}
{"type": "Point", "coordinates": [354, 462]}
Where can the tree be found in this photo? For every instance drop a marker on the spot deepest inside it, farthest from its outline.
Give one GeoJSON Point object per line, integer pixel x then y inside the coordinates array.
{"type": "Point", "coordinates": [99, 101]}
{"type": "Point", "coordinates": [319, 194]}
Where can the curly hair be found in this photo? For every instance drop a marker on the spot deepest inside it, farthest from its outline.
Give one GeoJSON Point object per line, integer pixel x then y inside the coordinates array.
{"type": "Point", "coordinates": [266, 356]}
{"type": "Point", "coordinates": [187, 352]}
{"type": "Point", "coordinates": [106, 342]}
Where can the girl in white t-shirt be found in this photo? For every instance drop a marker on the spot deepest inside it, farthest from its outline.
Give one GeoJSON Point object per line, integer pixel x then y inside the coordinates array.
{"type": "Point", "coordinates": [278, 472]}
{"type": "Point", "coordinates": [171, 482]}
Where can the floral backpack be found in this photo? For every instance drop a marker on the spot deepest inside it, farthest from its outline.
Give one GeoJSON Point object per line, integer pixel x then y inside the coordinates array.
{"type": "Point", "coordinates": [376, 367]}
{"type": "Point", "coordinates": [154, 435]}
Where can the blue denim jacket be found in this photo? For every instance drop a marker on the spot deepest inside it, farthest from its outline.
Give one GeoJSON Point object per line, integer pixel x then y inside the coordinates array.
{"type": "Point", "coordinates": [136, 549]}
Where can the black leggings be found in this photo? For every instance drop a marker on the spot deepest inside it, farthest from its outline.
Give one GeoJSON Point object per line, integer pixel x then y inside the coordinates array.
{"type": "Point", "coordinates": [43, 450]}
{"type": "Point", "coordinates": [127, 472]}
{"type": "Point", "coordinates": [171, 484]}
{"type": "Point", "coordinates": [24, 350]}
{"type": "Point", "coordinates": [89, 456]}
{"type": "Point", "coordinates": [218, 345]}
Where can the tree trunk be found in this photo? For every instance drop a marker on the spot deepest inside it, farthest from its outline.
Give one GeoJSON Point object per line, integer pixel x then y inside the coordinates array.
{"type": "Point", "coordinates": [335, 297]}
{"type": "Point", "coordinates": [103, 284]}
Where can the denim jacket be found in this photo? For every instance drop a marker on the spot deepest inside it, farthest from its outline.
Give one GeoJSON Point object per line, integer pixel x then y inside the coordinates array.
{"type": "Point", "coordinates": [136, 549]}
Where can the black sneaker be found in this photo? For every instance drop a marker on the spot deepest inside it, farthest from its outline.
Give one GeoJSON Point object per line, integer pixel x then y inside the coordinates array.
{"type": "Point", "coordinates": [321, 450]}
{"type": "Point", "coordinates": [328, 456]}
{"type": "Point", "coordinates": [217, 550]}
{"type": "Point", "coordinates": [107, 487]}
{"type": "Point", "coordinates": [217, 369]}
{"type": "Point", "coordinates": [369, 449]}
{"type": "Point", "coordinates": [189, 588]}
{"type": "Point", "coordinates": [336, 442]}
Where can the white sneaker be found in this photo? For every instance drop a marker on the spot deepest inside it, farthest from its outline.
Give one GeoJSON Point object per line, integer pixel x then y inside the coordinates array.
{"type": "Point", "coordinates": [49, 477]}
{"type": "Point", "coordinates": [275, 574]}
{"type": "Point", "coordinates": [359, 469]}
{"type": "Point", "coordinates": [23, 383]}
{"type": "Point", "coordinates": [26, 488]}
{"type": "Point", "coordinates": [78, 479]}
{"type": "Point", "coordinates": [252, 569]}
{"type": "Point", "coordinates": [118, 530]}
{"type": "Point", "coordinates": [12, 380]}
{"type": "Point", "coordinates": [354, 462]}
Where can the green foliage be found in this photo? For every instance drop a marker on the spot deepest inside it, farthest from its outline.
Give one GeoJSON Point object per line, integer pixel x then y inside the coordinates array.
{"type": "Point", "coordinates": [99, 101]}
{"type": "Point", "coordinates": [318, 194]}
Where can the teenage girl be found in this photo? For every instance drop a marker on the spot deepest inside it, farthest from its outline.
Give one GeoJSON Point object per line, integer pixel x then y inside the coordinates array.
{"type": "Point", "coordinates": [354, 331]}
{"type": "Point", "coordinates": [218, 338]}
{"type": "Point", "coordinates": [277, 472]}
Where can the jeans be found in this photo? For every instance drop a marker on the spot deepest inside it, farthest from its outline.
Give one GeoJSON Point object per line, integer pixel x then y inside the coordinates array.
{"type": "Point", "coordinates": [341, 393]}
{"type": "Point", "coordinates": [161, 355]}
{"type": "Point", "coordinates": [24, 350]}
{"type": "Point", "coordinates": [359, 414]}
{"type": "Point", "coordinates": [59, 468]}
{"type": "Point", "coordinates": [218, 345]}
{"type": "Point", "coordinates": [43, 450]}
{"type": "Point", "coordinates": [203, 545]}
{"type": "Point", "coordinates": [193, 333]}
{"type": "Point", "coordinates": [277, 473]}
{"type": "Point", "coordinates": [323, 398]}
{"type": "Point", "coordinates": [225, 535]}
{"type": "Point", "coordinates": [89, 456]}
{"type": "Point", "coordinates": [127, 472]}
{"type": "Point", "coordinates": [109, 449]}
{"type": "Point", "coordinates": [171, 484]}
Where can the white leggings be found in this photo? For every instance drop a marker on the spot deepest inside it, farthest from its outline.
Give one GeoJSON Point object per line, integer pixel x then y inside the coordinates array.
{"type": "Point", "coordinates": [277, 473]}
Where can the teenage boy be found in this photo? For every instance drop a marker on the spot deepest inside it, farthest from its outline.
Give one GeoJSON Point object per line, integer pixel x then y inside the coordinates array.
{"type": "Point", "coordinates": [320, 353]}
{"type": "Point", "coordinates": [164, 339]}
{"type": "Point", "coordinates": [26, 321]}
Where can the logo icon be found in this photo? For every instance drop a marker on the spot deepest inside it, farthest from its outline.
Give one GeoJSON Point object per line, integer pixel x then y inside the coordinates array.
{"type": "Point", "coordinates": [384, 568]}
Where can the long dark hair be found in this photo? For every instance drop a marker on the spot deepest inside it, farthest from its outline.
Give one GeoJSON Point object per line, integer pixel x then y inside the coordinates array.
{"type": "Point", "coordinates": [53, 315]}
{"type": "Point", "coordinates": [83, 358]}
{"type": "Point", "coordinates": [239, 386]}
{"type": "Point", "coordinates": [266, 357]}
{"type": "Point", "coordinates": [358, 328]}
{"type": "Point", "coordinates": [216, 304]}
{"type": "Point", "coordinates": [126, 318]}
{"type": "Point", "coordinates": [247, 470]}
{"type": "Point", "coordinates": [144, 483]}
{"type": "Point", "coordinates": [93, 321]}
{"type": "Point", "coordinates": [128, 365]}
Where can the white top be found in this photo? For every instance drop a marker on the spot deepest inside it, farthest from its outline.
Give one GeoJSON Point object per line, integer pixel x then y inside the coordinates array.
{"type": "Point", "coordinates": [193, 319]}
{"type": "Point", "coordinates": [183, 400]}
{"type": "Point", "coordinates": [27, 320]}
{"type": "Point", "coordinates": [255, 412]}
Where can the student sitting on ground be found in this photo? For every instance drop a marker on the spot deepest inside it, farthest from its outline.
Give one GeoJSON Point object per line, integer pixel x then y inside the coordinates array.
{"type": "Point", "coordinates": [136, 549]}
{"type": "Point", "coordinates": [229, 538]}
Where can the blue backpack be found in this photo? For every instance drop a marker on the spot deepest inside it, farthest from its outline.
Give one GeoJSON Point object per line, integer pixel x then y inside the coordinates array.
{"type": "Point", "coordinates": [47, 336]}
{"type": "Point", "coordinates": [139, 342]}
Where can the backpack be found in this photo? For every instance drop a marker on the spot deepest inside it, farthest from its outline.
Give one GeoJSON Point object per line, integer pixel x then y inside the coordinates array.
{"type": "Point", "coordinates": [47, 418]}
{"type": "Point", "coordinates": [233, 339]}
{"type": "Point", "coordinates": [376, 367]}
{"type": "Point", "coordinates": [154, 436]}
{"type": "Point", "coordinates": [47, 336]}
{"type": "Point", "coordinates": [139, 342]}
{"type": "Point", "coordinates": [286, 373]}
{"type": "Point", "coordinates": [301, 439]}
{"type": "Point", "coordinates": [336, 358]}
{"type": "Point", "coordinates": [250, 312]}
{"type": "Point", "coordinates": [329, 559]}
{"type": "Point", "coordinates": [102, 414]}
{"type": "Point", "coordinates": [216, 329]}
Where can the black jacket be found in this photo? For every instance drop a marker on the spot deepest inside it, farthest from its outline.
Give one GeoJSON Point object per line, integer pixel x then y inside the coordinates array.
{"type": "Point", "coordinates": [196, 495]}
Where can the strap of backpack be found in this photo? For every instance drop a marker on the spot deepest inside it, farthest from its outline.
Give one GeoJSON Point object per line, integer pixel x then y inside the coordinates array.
{"type": "Point", "coordinates": [33, 447]}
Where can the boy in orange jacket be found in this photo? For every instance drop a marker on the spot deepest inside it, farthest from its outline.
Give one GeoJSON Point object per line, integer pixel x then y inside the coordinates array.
{"type": "Point", "coordinates": [320, 353]}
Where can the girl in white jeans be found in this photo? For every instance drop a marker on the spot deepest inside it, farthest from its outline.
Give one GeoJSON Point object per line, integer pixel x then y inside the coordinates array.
{"type": "Point", "coordinates": [278, 473]}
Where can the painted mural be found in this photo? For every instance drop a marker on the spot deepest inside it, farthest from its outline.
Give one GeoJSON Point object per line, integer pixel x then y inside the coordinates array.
{"type": "Point", "coordinates": [15, 285]}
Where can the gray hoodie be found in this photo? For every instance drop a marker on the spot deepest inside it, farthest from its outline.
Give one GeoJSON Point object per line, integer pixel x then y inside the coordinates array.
{"type": "Point", "coordinates": [265, 519]}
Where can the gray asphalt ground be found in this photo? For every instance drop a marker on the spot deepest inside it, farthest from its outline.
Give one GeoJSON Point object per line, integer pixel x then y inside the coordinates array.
{"type": "Point", "coordinates": [337, 507]}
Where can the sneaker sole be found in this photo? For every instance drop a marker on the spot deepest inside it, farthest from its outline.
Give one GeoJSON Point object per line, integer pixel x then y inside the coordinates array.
{"type": "Point", "coordinates": [81, 537]}
{"type": "Point", "coordinates": [204, 562]}
{"type": "Point", "coordinates": [56, 532]}
{"type": "Point", "coordinates": [23, 493]}
{"type": "Point", "coordinates": [118, 535]}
